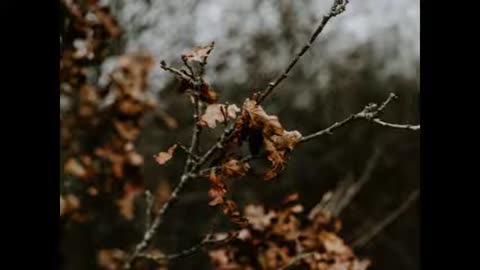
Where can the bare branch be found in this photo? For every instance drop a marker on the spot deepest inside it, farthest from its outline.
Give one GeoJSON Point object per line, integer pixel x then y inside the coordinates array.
{"type": "Point", "coordinates": [148, 236]}
{"type": "Point", "coordinates": [370, 113]}
{"type": "Point", "coordinates": [177, 72]}
{"type": "Point", "coordinates": [185, 62]}
{"type": "Point", "coordinates": [353, 190]}
{"type": "Point", "coordinates": [186, 150]}
{"type": "Point", "coordinates": [390, 125]}
{"type": "Point", "coordinates": [149, 200]}
{"type": "Point", "coordinates": [365, 238]}
{"type": "Point", "coordinates": [330, 129]}
{"type": "Point", "coordinates": [337, 8]}
{"type": "Point", "coordinates": [207, 241]}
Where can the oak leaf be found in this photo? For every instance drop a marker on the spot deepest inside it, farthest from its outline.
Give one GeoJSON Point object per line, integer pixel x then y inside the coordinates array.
{"type": "Point", "coordinates": [163, 157]}
{"type": "Point", "coordinates": [218, 113]}
{"type": "Point", "coordinates": [199, 53]}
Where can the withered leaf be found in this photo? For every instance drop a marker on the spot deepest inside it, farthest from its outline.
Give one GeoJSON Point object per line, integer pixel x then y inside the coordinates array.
{"type": "Point", "coordinates": [257, 217]}
{"type": "Point", "coordinates": [260, 119]}
{"type": "Point", "coordinates": [230, 209]}
{"type": "Point", "coordinates": [234, 168]}
{"type": "Point", "coordinates": [135, 159]}
{"type": "Point", "coordinates": [207, 94]}
{"type": "Point", "coordinates": [217, 189]}
{"type": "Point", "coordinates": [334, 244]}
{"type": "Point", "coordinates": [276, 140]}
{"type": "Point", "coordinates": [199, 53]}
{"type": "Point", "coordinates": [218, 113]}
{"type": "Point", "coordinates": [163, 157]}
{"type": "Point", "coordinates": [281, 237]}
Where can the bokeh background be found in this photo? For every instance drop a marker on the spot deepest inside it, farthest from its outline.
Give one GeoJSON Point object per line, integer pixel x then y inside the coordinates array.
{"type": "Point", "coordinates": [370, 50]}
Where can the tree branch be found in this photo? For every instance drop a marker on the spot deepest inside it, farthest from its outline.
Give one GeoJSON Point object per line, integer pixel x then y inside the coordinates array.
{"type": "Point", "coordinates": [177, 72]}
{"type": "Point", "coordinates": [148, 236]}
{"type": "Point", "coordinates": [390, 125]}
{"type": "Point", "coordinates": [337, 8]}
{"type": "Point", "coordinates": [370, 113]}
{"type": "Point", "coordinates": [186, 150]}
{"type": "Point", "coordinates": [353, 190]}
{"type": "Point", "coordinates": [365, 238]}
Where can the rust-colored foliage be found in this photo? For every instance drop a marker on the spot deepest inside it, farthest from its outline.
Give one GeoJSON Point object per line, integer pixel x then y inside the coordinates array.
{"type": "Point", "coordinates": [277, 238]}
{"type": "Point", "coordinates": [218, 189]}
{"type": "Point", "coordinates": [163, 157]}
{"type": "Point", "coordinates": [276, 140]}
{"type": "Point", "coordinates": [199, 53]}
{"type": "Point", "coordinates": [101, 123]}
{"type": "Point", "coordinates": [100, 128]}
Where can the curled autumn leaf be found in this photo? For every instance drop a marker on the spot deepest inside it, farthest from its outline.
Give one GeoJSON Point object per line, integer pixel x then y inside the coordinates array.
{"type": "Point", "coordinates": [230, 209]}
{"type": "Point", "coordinates": [199, 53]}
{"type": "Point", "coordinates": [207, 94]}
{"type": "Point", "coordinates": [276, 140]}
{"type": "Point", "coordinates": [234, 168]}
{"type": "Point", "coordinates": [285, 239]}
{"type": "Point", "coordinates": [135, 159]}
{"type": "Point", "coordinates": [163, 157]}
{"type": "Point", "coordinates": [217, 189]}
{"type": "Point", "coordinates": [218, 113]}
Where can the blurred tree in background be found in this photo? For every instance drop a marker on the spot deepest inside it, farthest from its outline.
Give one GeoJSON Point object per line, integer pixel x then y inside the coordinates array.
{"type": "Point", "coordinates": [119, 109]}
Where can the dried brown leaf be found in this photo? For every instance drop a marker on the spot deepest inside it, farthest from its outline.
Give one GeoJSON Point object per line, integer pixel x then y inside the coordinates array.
{"type": "Point", "coordinates": [217, 189]}
{"type": "Point", "coordinates": [235, 168]}
{"type": "Point", "coordinates": [199, 53]}
{"type": "Point", "coordinates": [163, 157]}
{"type": "Point", "coordinates": [257, 217]}
{"type": "Point", "coordinates": [218, 113]}
{"type": "Point", "coordinates": [207, 94]}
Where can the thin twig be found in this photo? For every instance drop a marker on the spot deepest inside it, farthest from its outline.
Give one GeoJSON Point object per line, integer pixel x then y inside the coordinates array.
{"type": "Point", "coordinates": [337, 8]}
{"type": "Point", "coordinates": [186, 150]}
{"type": "Point", "coordinates": [365, 238]}
{"type": "Point", "coordinates": [185, 62]}
{"type": "Point", "coordinates": [148, 236]}
{"type": "Point", "coordinates": [205, 172]}
{"type": "Point", "coordinates": [355, 188]}
{"type": "Point", "coordinates": [197, 129]}
{"type": "Point", "coordinates": [207, 241]}
{"type": "Point", "coordinates": [177, 72]}
{"type": "Point", "coordinates": [149, 200]}
{"type": "Point", "coordinates": [390, 125]}
{"type": "Point", "coordinates": [370, 113]}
